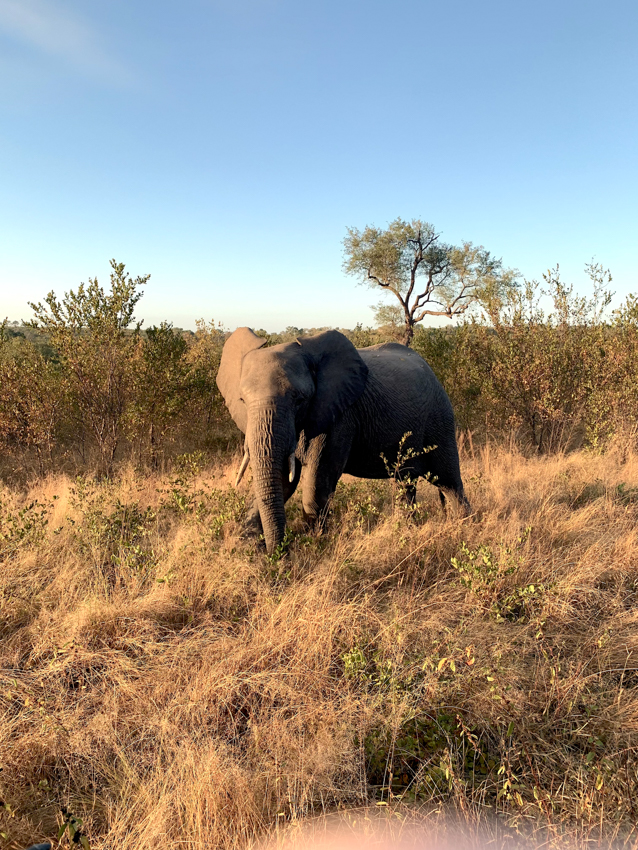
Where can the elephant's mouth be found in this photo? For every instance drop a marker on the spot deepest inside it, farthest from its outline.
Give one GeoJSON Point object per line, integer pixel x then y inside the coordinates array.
{"type": "Point", "coordinates": [246, 460]}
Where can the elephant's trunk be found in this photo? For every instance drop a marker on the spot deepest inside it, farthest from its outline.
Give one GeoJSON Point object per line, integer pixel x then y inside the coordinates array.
{"type": "Point", "coordinates": [270, 438]}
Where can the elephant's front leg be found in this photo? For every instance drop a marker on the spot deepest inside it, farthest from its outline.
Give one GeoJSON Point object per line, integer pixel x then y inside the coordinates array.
{"type": "Point", "coordinates": [324, 464]}
{"type": "Point", "coordinates": [407, 492]}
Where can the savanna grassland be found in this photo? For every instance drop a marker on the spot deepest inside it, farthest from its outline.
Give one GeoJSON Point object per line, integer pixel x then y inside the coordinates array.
{"type": "Point", "coordinates": [163, 682]}
{"type": "Point", "coordinates": [168, 684]}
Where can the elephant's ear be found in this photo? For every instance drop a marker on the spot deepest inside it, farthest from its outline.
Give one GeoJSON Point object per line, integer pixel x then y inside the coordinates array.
{"type": "Point", "coordinates": [239, 343]}
{"type": "Point", "coordinates": [340, 378]}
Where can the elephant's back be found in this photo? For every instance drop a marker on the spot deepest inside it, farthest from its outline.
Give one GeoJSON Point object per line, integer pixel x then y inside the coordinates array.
{"type": "Point", "coordinates": [402, 394]}
{"type": "Point", "coordinates": [403, 372]}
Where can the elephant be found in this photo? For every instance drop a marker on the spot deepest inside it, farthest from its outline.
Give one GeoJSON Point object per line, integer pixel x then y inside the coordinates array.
{"type": "Point", "coordinates": [322, 407]}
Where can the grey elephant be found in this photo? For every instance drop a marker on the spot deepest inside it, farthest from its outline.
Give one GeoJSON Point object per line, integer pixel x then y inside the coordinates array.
{"type": "Point", "coordinates": [318, 407]}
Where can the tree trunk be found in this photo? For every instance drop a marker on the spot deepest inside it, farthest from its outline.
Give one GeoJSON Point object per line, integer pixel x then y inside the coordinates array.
{"type": "Point", "coordinates": [408, 332]}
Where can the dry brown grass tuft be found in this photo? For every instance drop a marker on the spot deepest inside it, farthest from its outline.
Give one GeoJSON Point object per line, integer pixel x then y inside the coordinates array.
{"type": "Point", "coordinates": [166, 682]}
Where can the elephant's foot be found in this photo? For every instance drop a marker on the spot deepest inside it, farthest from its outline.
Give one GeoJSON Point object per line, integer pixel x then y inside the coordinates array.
{"type": "Point", "coordinates": [465, 506]}
{"type": "Point", "coordinates": [317, 520]}
{"type": "Point", "coordinates": [461, 499]}
{"type": "Point", "coordinates": [406, 492]}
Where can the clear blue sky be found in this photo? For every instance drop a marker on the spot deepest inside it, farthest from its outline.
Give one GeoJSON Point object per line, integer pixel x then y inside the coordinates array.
{"type": "Point", "coordinates": [225, 145]}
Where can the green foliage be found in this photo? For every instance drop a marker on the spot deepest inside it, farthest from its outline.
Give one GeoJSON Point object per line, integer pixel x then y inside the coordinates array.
{"type": "Point", "coordinates": [518, 605]}
{"type": "Point", "coordinates": [114, 535]}
{"type": "Point", "coordinates": [359, 503]}
{"type": "Point", "coordinates": [423, 751]}
{"type": "Point", "coordinates": [279, 552]}
{"type": "Point", "coordinates": [33, 398]}
{"type": "Point", "coordinates": [206, 409]}
{"type": "Point", "coordinates": [542, 363]}
{"type": "Point", "coordinates": [354, 663]}
{"type": "Point", "coordinates": [428, 277]}
{"type": "Point", "coordinates": [80, 386]}
{"type": "Point", "coordinates": [162, 385]}
{"type": "Point", "coordinates": [479, 568]}
{"type": "Point", "coordinates": [399, 470]}
{"type": "Point", "coordinates": [388, 314]}
{"type": "Point", "coordinates": [540, 369]}
{"type": "Point", "coordinates": [362, 337]}
{"type": "Point", "coordinates": [18, 527]}
{"type": "Point", "coordinates": [72, 826]}
{"type": "Point", "coordinates": [88, 329]}
{"type": "Point", "coordinates": [484, 571]}
{"type": "Point", "coordinates": [213, 509]}
{"type": "Point", "coordinates": [429, 754]}
{"type": "Point", "coordinates": [84, 386]}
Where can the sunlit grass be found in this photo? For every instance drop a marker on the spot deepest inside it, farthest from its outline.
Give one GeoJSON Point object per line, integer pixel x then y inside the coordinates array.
{"type": "Point", "coordinates": [165, 681]}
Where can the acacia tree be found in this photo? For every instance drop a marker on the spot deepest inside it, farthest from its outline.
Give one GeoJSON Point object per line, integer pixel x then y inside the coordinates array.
{"type": "Point", "coordinates": [427, 276]}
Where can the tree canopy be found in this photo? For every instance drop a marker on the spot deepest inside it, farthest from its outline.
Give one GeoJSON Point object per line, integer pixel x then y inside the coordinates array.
{"type": "Point", "coordinates": [89, 328]}
{"type": "Point", "coordinates": [426, 275]}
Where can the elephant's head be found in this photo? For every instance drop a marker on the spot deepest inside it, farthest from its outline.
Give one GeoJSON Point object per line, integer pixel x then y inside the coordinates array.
{"type": "Point", "coordinates": [275, 393]}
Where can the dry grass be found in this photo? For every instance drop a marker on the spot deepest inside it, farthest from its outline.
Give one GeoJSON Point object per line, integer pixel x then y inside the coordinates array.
{"type": "Point", "coordinates": [167, 683]}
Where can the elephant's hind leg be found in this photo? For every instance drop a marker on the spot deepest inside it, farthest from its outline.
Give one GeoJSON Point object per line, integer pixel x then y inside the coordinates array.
{"type": "Point", "coordinates": [460, 497]}
{"type": "Point", "coordinates": [407, 492]}
{"type": "Point", "coordinates": [443, 470]}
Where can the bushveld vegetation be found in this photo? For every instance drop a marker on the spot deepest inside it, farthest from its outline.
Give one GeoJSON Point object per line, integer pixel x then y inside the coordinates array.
{"type": "Point", "coordinates": [162, 681]}
{"type": "Point", "coordinates": [90, 388]}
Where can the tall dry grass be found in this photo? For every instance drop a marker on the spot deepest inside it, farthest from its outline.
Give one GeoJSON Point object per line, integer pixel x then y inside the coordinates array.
{"type": "Point", "coordinates": [167, 683]}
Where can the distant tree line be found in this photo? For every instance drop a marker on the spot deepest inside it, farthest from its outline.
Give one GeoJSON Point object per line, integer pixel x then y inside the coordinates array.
{"type": "Point", "coordinates": [85, 387]}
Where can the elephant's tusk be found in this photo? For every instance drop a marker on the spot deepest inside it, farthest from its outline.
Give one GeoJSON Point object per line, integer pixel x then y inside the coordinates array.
{"type": "Point", "coordinates": [291, 467]}
{"type": "Point", "coordinates": [242, 468]}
